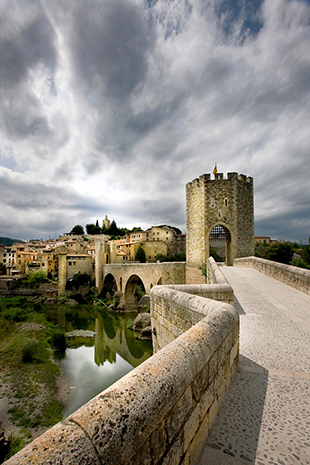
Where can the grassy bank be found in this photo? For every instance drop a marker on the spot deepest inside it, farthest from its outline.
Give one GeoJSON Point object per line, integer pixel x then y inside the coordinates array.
{"type": "Point", "coordinates": [29, 376]}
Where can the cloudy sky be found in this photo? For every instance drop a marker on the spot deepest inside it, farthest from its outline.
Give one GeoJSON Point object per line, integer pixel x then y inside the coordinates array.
{"type": "Point", "coordinates": [112, 106]}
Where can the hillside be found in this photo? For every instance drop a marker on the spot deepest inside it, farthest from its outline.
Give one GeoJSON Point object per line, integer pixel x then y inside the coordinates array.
{"type": "Point", "coordinates": [8, 241]}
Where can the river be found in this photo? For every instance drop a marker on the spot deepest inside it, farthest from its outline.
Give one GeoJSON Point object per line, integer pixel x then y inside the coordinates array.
{"type": "Point", "coordinates": [101, 349]}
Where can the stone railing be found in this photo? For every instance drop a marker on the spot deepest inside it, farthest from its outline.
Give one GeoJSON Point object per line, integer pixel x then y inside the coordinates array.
{"type": "Point", "coordinates": [217, 288]}
{"type": "Point", "coordinates": [162, 411]}
{"type": "Point", "coordinates": [293, 276]}
{"type": "Point", "coordinates": [214, 274]}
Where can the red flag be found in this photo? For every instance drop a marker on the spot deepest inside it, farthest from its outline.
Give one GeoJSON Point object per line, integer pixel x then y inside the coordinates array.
{"type": "Point", "coordinates": [215, 169]}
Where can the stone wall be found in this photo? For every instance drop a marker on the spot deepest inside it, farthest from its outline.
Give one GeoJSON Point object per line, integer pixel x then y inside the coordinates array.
{"type": "Point", "coordinates": [71, 264]}
{"type": "Point", "coordinates": [175, 315]}
{"type": "Point", "coordinates": [162, 411]}
{"type": "Point", "coordinates": [293, 276]}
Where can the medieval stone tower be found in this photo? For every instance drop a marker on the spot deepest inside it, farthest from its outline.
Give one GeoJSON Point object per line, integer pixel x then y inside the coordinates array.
{"type": "Point", "coordinates": [218, 208]}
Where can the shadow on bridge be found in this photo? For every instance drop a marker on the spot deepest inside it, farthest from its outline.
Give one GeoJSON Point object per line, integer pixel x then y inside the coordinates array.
{"type": "Point", "coordinates": [234, 436]}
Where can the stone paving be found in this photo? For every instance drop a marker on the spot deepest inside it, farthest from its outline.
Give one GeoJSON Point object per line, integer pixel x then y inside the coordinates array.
{"type": "Point", "coordinates": [265, 415]}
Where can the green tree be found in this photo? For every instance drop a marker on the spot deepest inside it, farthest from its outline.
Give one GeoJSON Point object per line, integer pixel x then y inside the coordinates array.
{"type": "Point", "coordinates": [280, 252]}
{"type": "Point", "coordinates": [97, 230]}
{"type": "Point", "coordinates": [93, 229]}
{"type": "Point", "coordinates": [78, 230]}
{"type": "Point", "coordinates": [89, 228]}
{"type": "Point", "coordinates": [140, 255]}
{"type": "Point", "coordinates": [113, 229]}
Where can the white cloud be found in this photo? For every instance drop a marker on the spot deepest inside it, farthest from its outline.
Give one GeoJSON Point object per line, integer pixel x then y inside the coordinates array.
{"type": "Point", "coordinates": [114, 106]}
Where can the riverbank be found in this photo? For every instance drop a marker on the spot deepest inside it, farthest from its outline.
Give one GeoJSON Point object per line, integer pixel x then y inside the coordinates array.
{"type": "Point", "coordinates": [34, 393]}
{"type": "Point", "coordinates": [33, 390]}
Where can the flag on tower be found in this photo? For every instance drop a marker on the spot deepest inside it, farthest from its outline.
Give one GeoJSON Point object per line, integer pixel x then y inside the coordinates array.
{"type": "Point", "coordinates": [215, 169]}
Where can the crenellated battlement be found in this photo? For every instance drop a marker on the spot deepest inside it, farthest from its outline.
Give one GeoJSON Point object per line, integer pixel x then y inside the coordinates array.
{"type": "Point", "coordinates": [204, 178]}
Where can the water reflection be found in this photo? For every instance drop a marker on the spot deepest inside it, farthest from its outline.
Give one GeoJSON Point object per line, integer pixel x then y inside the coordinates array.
{"type": "Point", "coordinates": [99, 356]}
{"type": "Point", "coordinates": [88, 379]}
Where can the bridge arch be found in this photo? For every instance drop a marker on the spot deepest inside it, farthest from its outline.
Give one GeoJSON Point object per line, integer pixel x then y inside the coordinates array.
{"type": "Point", "coordinates": [130, 291]}
{"type": "Point", "coordinates": [219, 238]}
{"type": "Point", "coordinates": [109, 285]}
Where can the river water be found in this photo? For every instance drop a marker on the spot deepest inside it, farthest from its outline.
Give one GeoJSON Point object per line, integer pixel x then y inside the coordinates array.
{"type": "Point", "coordinates": [102, 349]}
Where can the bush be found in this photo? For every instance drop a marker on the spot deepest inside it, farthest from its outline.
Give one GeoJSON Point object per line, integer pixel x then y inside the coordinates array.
{"type": "Point", "coordinates": [178, 257]}
{"type": "Point", "coordinates": [300, 262]}
{"type": "Point", "coordinates": [58, 341]}
{"type": "Point", "coordinates": [29, 349]}
{"type": "Point", "coordinates": [32, 349]}
{"type": "Point", "coordinates": [139, 292]}
{"type": "Point", "coordinates": [14, 314]}
{"type": "Point", "coordinates": [35, 279]}
{"type": "Point", "coordinates": [16, 443]}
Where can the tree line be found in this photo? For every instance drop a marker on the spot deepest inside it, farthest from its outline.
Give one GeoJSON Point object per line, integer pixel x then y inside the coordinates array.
{"type": "Point", "coordinates": [94, 229]}
{"type": "Point", "coordinates": [289, 253]}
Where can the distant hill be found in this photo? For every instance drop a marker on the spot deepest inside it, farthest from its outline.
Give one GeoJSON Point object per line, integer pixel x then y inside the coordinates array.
{"type": "Point", "coordinates": [8, 241]}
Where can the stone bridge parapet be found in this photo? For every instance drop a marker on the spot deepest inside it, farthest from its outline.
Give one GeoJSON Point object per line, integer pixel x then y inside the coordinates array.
{"type": "Point", "coordinates": [293, 276]}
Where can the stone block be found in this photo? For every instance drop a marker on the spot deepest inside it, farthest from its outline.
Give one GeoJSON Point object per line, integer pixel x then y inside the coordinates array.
{"type": "Point", "coordinates": [198, 440]}
{"type": "Point", "coordinates": [174, 455]}
{"type": "Point", "coordinates": [200, 383]}
{"type": "Point", "coordinates": [190, 428]}
{"type": "Point", "coordinates": [213, 411]}
{"type": "Point", "coordinates": [213, 366]}
{"type": "Point", "coordinates": [234, 353]}
{"type": "Point", "coordinates": [158, 442]}
{"type": "Point", "coordinates": [206, 401]}
{"type": "Point", "coordinates": [177, 416]}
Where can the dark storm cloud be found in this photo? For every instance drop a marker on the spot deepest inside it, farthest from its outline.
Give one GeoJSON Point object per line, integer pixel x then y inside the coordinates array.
{"type": "Point", "coordinates": [110, 41]}
{"type": "Point", "coordinates": [28, 47]}
{"type": "Point", "coordinates": [29, 43]}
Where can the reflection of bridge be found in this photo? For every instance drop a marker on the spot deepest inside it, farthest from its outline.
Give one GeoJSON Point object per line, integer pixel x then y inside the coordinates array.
{"type": "Point", "coordinates": [126, 277]}
{"type": "Point", "coordinates": [111, 340]}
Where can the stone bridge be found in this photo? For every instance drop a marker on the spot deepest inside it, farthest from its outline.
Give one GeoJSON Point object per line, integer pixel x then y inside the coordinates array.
{"type": "Point", "coordinates": [125, 277]}
{"type": "Point", "coordinates": [165, 410]}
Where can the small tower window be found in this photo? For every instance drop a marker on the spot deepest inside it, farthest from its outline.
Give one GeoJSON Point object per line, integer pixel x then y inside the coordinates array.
{"type": "Point", "coordinates": [226, 202]}
{"type": "Point", "coordinates": [219, 214]}
{"type": "Point", "coordinates": [212, 203]}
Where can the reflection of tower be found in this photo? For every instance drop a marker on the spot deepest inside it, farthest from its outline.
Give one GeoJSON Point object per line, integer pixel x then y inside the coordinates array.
{"type": "Point", "coordinates": [103, 351]}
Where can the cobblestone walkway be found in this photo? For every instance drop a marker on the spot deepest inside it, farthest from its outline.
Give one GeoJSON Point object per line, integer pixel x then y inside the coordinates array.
{"type": "Point", "coordinates": [265, 415]}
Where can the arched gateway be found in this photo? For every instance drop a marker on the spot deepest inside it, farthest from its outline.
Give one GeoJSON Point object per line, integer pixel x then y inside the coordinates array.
{"type": "Point", "coordinates": [218, 209]}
